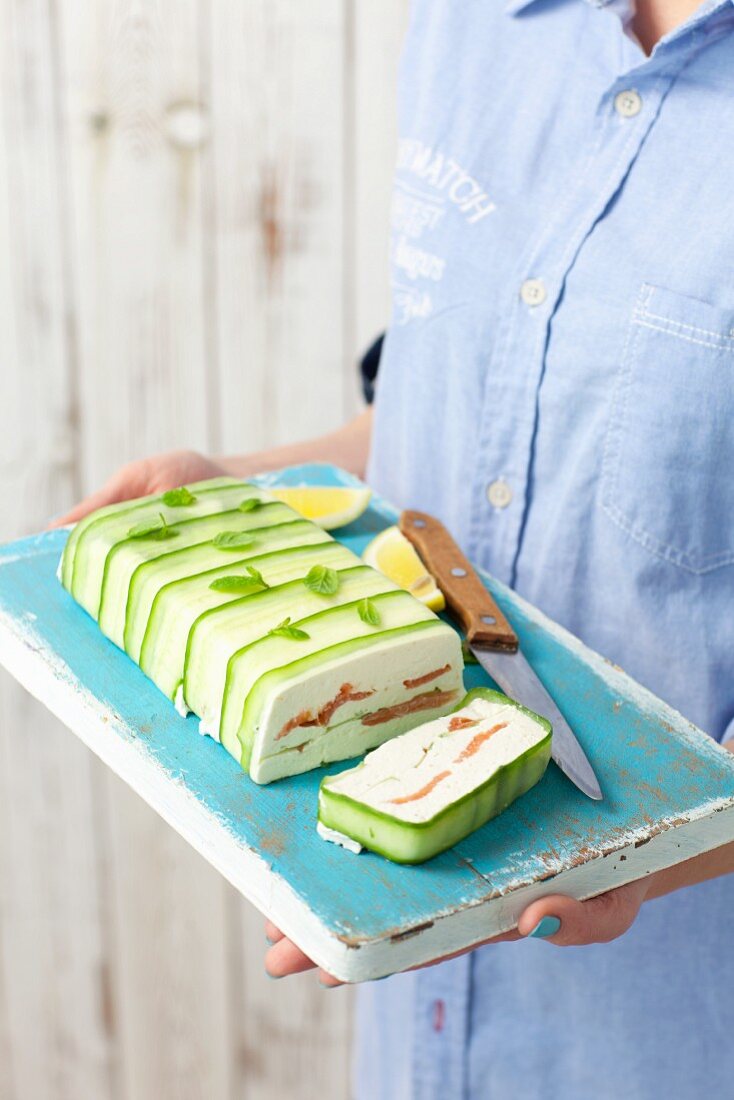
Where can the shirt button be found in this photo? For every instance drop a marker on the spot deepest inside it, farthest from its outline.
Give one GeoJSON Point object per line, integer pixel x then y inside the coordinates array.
{"type": "Point", "coordinates": [533, 292]}
{"type": "Point", "coordinates": [628, 104]}
{"type": "Point", "coordinates": [499, 494]}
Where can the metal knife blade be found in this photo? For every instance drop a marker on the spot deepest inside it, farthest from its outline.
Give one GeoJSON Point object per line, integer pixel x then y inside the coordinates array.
{"type": "Point", "coordinates": [518, 680]}
{"type": "Point", "coordinates": [493, 641]}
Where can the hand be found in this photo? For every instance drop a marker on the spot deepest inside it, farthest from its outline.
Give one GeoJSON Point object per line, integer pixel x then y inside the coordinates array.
{"type": "Point", "coordinates": [598, 920]}
{"type": "Point", "coordinates": [148, 475]}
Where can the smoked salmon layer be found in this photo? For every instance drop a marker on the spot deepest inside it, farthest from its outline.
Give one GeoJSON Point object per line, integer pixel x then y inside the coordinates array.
{"type": "Point", "coordinates": [350, 716]}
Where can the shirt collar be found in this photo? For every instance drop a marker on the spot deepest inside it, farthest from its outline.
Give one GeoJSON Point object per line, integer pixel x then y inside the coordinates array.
{"type": "Point", "coordinates": [513, 7]}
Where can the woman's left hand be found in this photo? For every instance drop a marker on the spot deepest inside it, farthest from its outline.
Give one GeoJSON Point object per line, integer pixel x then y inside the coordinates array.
{"type": "Point", "coordinates": [581, 922]}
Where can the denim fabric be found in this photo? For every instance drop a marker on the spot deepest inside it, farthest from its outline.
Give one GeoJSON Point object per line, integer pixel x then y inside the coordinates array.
{"type": "Point", "coordinates": [563, 325]}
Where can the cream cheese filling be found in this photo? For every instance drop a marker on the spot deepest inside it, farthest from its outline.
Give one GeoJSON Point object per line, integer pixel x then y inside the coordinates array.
{"type": "Point", "coordinates": [370, 671]}
{"type": "Point", "coordinates": [338, 838]}
{"type": "Point", "coordinates": [415, 776]}
{"type": "Point", "coordinates": [180, 703]}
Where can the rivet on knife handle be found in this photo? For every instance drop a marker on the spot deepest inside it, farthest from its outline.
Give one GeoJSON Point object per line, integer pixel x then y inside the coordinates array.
{"type": "Point", "coordinates": [468, 599]}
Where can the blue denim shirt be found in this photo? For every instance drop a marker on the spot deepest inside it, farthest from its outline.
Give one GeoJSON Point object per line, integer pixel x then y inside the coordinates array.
{"type": "Point", "coordinates": [558, 385]}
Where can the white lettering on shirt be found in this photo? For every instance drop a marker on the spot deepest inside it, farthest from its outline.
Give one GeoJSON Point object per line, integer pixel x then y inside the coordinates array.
{"type": "Point", "coordinates": [415, 262]}
{"type": "Point", "coordinates": [411, 215]}
{"type": "Point", "coordinates": [447, 177]}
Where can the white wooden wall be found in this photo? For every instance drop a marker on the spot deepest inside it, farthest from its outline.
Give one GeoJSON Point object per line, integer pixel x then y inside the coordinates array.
{"type": "Point", "coordinates": [193, 224]}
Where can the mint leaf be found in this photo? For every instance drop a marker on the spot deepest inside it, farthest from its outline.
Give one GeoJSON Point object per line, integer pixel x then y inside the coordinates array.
{"type": "Point", "coordinates": [239, 582]}
{"type": "Point", "coordinates": [152, 529]}
{"type": "Point", "coordinates": [233, 540]}
{"type": "Point", "coordinates": [235, 583]}
{"type": "Point", "coordinates": [177, 498]}
{"type": "Point", "coordinates": [250, 504]}
{"type": "Point", "coordinates": [368, 613]}
{"type": "Point", "coordinates": [469, 658]}
{"type": "Point", "coordinates": [322, 580]}
{"type": "Point", "coordinates": [257, 576]}
{"type": "Point", "coordinates": [285, 630]}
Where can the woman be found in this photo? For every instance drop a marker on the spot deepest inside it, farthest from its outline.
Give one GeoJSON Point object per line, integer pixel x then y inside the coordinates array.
{"type": "Point", "coordinates": [558, 385]}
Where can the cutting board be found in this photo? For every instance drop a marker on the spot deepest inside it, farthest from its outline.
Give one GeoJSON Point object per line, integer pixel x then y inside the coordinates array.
{"type": "Point", "coordinates": [669, 788]}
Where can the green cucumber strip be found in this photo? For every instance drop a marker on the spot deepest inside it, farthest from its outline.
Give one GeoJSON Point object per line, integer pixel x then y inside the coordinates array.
{"type": "Point", "coordinates": [132, 509]}
{"type": "Point", "coordinates": [93, 548]}
{"type": "Point", "coordinates": [180, 607]}
{"type": "Point", "coordinates": [125, 557]}
{"type": "Point", "coordinates": [228, 627]}
{"type": "Point", "coordinates": [274, 657]}
{"type": "Point", "coordinates": [414, 842]}
{"type": "Point", "coordinates": [182, 611]}
{"type": "Point", "coordinates": [182, 564]}
{"type": "Point", "coordinates": [239, 628]}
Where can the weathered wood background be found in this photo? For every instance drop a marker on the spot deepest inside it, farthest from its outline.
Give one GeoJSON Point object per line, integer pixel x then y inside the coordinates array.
{"type": "Point", "coordinates": [193, 213]}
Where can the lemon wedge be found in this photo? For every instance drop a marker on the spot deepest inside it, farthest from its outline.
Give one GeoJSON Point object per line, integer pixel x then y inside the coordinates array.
{"type": "Point", "coordinates": [328, 507]}
{"type": "Point", "coordinates": [396, 557]}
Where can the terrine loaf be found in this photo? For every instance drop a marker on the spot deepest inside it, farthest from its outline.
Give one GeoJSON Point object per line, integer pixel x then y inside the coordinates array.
{"type": "Point", "coordinates": [291, 650]}
{"type": "Point", "coordinates": [423, 792]}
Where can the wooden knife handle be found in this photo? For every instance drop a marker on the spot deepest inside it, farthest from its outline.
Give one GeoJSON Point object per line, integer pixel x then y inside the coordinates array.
{"type": "Point", "coordinates": [468, 600]}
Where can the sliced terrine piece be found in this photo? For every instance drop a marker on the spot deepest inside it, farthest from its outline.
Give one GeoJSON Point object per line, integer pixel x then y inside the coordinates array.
{"type": "Point", "coordinates": [421, 793]}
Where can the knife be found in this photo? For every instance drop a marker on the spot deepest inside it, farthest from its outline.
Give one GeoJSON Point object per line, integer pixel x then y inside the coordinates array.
{"type": "Point", "coordinates": [493, 641]}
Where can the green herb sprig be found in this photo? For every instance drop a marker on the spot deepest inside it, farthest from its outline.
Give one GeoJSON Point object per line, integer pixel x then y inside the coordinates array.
{"type": "Point", "coordinates": [152, 529]}
{"type": "Point", "coordinates": [233, 540]}
{"type": "Point", "coordinates": [178, 498]}
{"type": "Point", "coordinates": [285, 630]}
{"type": "Point", "coordinates": [239, 582]}
{"type": "Point", "coordinates": [322, 580]}
{"type": "Point", "coordinates": [257, 576]}
{"type": "Point", "coordinates": [250, 504]}
{"type": "Point", "coordinates": [368, 613]}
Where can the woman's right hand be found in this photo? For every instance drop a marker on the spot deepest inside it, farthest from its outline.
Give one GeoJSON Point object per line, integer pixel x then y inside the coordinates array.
{"type": "Point", "coordinates": [148, 475]}
{"type": "Point", "coordinates": [348, 446]}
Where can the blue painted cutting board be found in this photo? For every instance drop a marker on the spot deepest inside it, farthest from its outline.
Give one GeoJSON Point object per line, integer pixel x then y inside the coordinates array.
{"type": "Point", "coordinates": [669, 788]}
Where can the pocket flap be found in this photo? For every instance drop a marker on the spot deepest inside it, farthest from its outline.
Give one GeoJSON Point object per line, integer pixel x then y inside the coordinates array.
{"type": "Point", "coordinates": [688, 318]}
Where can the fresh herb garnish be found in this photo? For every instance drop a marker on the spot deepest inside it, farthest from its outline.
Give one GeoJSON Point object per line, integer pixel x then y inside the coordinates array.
{"type": "Point", "coordinates": [233, 540]}
{"type": "Point", "coordinates": [322, 580]}
{"type": "Point", "coordinates": [368, 613]}
{"type": "Point", "coordinates": [234, 583]}
{"type": "Point", "coordinates": [285, 630]}
{"type": "Point", "coordinates": [469, 658]}
{"type": "Point", "coordinates": [178, 498]}
{"type": "Point", "coordinates": [155, 529]}
{"type": "Point", "coordinates": [257, 576]}
{"type": "Point", "coordinates": [250, 504]}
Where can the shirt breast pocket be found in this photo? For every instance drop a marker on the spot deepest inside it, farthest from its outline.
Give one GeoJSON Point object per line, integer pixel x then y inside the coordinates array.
{"type": "Point", "coordinates": [668, 465]}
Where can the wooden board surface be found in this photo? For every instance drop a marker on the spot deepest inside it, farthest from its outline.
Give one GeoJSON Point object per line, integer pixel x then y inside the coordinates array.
{"type": "Point", "coordinates": [669, 788]}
